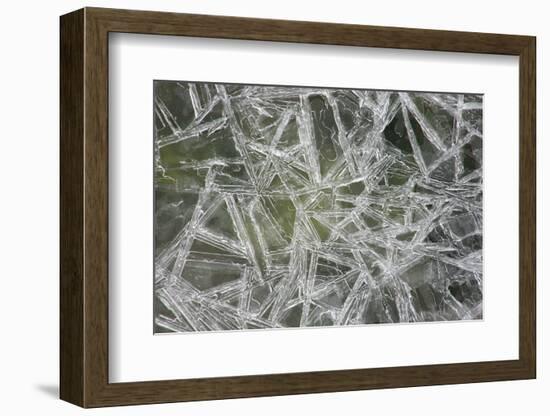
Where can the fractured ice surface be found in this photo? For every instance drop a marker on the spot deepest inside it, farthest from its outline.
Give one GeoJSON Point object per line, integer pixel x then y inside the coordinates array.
{"type": "Point", "coordinates": [297, 207]}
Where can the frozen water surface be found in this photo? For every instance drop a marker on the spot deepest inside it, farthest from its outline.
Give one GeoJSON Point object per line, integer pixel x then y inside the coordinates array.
{"type": "Point", "coordinates": [285, 207]}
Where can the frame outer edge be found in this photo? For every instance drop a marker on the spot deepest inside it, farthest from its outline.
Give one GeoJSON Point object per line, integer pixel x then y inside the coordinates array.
{"type": "Point", "coordinates": [528, 208]}
{"type": "Point", "coordinates": [71, 289]}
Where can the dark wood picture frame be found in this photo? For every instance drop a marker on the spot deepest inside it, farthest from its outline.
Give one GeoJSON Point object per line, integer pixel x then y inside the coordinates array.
{"type": "Point", "coordinates": [84, 207]}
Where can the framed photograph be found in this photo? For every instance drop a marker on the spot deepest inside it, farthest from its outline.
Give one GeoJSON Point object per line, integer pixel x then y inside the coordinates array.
{"type": "Point", "coordinates": [264, 207]}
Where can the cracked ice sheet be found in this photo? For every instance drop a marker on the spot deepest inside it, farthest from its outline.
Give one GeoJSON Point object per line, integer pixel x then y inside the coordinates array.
{"type": "Point", "coordinates": [285, 207]}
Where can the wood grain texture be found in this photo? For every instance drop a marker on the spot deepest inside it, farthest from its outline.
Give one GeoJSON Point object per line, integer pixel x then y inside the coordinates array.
{"type": "Point", "coordinates": [527, 208]}
{"type": "Point", "coordinates": [71, 213]}
{"type": "Point", "coordinates": [84, 207]}
{"type": "Point", "coordinates": [96, 208]}
{"type": "Point", "coordinates": [162, 23]}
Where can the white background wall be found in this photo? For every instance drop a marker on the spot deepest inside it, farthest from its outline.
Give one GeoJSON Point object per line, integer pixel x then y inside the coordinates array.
{"type": "Point", "coordinates": [29, 85]}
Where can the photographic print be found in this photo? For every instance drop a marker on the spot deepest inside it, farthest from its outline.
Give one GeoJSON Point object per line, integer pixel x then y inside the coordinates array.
{"type": "Point", "coordinates": [290, 206]}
